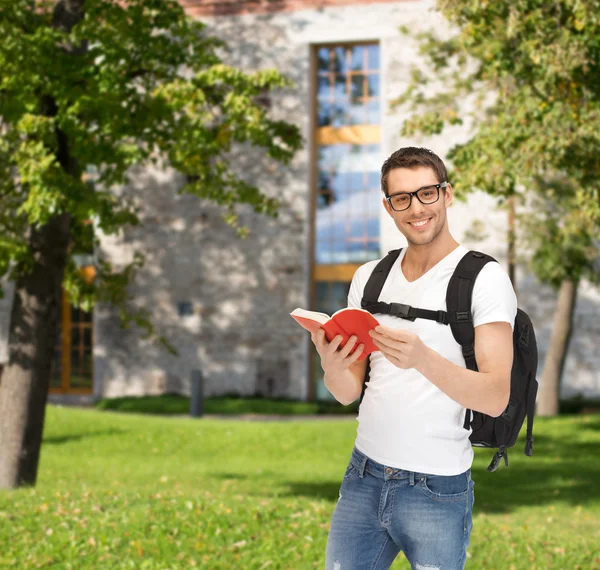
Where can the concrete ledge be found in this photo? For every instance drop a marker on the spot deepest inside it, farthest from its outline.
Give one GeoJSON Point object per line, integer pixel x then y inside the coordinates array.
{"type": "Point", "coordinates": [80, 400]}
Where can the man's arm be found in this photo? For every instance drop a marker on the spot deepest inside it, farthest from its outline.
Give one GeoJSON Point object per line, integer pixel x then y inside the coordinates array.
{"type": "Point", "coordinates": [486, 391]}
{"type": "Point", "coordinates": [344, 373]}
{"type": "Point", "coordinates": [346, 385]}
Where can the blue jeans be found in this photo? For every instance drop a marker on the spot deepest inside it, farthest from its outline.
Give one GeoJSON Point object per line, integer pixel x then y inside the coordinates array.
{"type": "Point", "coordinates": [382, 511]}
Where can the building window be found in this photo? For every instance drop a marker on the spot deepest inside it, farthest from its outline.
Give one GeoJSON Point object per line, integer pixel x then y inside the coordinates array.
{"type": "Point", "coordinates": [73, 360]}
{"type": "Point", "coordinates": [347, 162]}
{"type": "Point", "coordinates": [72, 365]}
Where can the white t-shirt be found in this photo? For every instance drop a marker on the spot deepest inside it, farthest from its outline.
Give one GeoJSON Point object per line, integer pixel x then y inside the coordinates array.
{"type": "Point", "coordinates": [405, 421]}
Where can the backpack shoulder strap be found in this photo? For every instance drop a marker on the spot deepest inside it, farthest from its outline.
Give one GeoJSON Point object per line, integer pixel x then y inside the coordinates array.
{"type": "Point", "coordinates": [458, 300]}
{"type": "Point", "coordinates": [371, 295]}
{"type": "Point", "coordinates": [377, 279]}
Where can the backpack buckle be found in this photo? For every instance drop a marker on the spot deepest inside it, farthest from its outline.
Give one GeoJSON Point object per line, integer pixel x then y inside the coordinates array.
{"type": "Point", "coordinates": [463, 317]}
{"type": "Point", "coordinates": [528, 445]}
{"type": "Point", "coordinates": [401, 310]}
{"type": "Point", "coordinates": [501, 453]}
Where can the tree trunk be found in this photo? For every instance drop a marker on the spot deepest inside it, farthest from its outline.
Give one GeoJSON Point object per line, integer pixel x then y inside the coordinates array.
{"type": "Point", "coordinates": [562, 326]}
{"type": "Point", "coordinates": [32, 338]}
{"type": "Point", "coordinates": [35, 312]}
{"type": "Point", "coordinates": [512, 251]}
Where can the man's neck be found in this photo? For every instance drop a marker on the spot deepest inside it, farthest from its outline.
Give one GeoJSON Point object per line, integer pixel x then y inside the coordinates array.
{"type": "Point", "coordinates": [419, 259]}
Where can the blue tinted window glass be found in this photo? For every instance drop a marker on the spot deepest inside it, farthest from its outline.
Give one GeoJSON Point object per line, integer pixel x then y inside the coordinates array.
{"type": "Point", "coordinates": [357, 230]}
{"type": "Point", "coordinates": [373, 115]}
{"type": "Point", "coordinates": [323, 157]}
{"type": "Point", "coordinates": [340, 65]}
{"type": "Point", "coordinates": [373, 180]}
{"type": "Point", "coordinates": [340, 295]}
{"type": "Point", "coordinates": [323, 88]}
{"type": "Point", "coordinates": [324, 114]}
{"type": "Point", "coordinates": [325, 193]}
{"type": "Point", "coordinates": [374, 205]}
{"type": "Point", "coordinates": [373, 81]}
{"type": "Point", "coordinates": [350, 219]}
{"type": "Point", "coordinates": [357, 87]}
{"type": "Point", "coordinates": [323, 59]}
{"type": "Point", "coordinates": [339, 231]}
{"type": "Point", "coordinates": [349, 200]}
{"type": "Point", "coordinates": [340, 76]}
{"type": "Point", "coordinates": [356, 182]}
{"type": "Point", "coordinates": [339, 89]}
{"type": "Point", "coordinates": [373, 56]}
{"type": "Point", "coordinates": [358, 58]}
{"type": "Point", "coordinates": [373, 227]}
{"type": "Point", "coordinates": [357, 115]}
{"type": "Point", "coordinates": [339, 184]}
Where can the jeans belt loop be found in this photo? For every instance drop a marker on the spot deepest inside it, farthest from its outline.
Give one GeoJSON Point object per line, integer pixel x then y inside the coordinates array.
{"type": "Point", "coordinates": [362, 466]}
{"type": "Point", "coordinates": [411, 478]}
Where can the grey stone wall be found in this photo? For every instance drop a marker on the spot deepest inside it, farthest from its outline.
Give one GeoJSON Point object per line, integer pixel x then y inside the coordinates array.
{"type": "Point", "coordinates": [223, 302]}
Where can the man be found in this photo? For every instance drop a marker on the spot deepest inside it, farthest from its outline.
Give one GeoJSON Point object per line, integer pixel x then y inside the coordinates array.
{"type": "Point", "coordinates": [408, 484]}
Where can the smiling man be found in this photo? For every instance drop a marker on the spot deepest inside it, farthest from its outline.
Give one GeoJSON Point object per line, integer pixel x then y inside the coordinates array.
{"type": "Point", "coordinates": [408, 484]}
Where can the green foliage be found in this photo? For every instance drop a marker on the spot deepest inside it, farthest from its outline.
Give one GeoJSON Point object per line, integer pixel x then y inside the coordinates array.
{"type": "Point", "coordinates": [122, 491]}
{"type": "Point", "coordinates": [525, 77]}
{"type": "Point", "coordinates": [133, 83]}
{"type": "Point", "coordinates": [579, 404]}
{"type": "Point", "coordinates": [176, 404]}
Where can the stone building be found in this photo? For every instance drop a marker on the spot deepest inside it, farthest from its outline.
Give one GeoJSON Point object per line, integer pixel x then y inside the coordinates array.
{"type": "Point", "coordinates": [225, 302]}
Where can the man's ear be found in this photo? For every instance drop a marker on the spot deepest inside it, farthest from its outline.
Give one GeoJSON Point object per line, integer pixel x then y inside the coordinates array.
{"type": "Point", "coordinates": [387, 207]}
{"type": "Point", "coordinates": [449, 195]}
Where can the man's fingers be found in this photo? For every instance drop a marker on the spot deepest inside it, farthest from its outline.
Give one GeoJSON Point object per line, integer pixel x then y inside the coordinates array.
{"type": "Point", "coordinates": [318, 337]}
{"type": "Point", "coordinates": [335, 343]}
{"type": "Point", "coordinates": [348, 346]}
{"type": "Point", "coordinates": [396, 334]}
{"type": "Point", "coordinates": [387, 341]}
{"type": "Point", "coordinates": [359, 349]}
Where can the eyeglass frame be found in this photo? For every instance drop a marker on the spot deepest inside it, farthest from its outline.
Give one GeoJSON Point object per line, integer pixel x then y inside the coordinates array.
{"type": "Point", "coordinates": [438, 187]}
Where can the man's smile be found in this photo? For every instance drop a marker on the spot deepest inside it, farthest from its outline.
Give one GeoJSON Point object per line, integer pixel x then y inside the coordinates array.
{"type": "Point", "coordinates": [420, 224]}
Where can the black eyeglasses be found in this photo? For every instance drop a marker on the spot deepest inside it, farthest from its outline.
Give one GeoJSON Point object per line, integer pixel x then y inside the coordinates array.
{"type": "Point", "coordinates": [426, 195]}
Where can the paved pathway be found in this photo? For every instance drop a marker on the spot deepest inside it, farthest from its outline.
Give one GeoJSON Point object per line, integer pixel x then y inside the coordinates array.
{"type": "Point", "coordinates": [281, 418]}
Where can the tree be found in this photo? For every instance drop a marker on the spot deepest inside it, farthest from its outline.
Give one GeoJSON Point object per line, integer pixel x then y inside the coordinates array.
{"type": "Point", "coordinates": [103, 85]}
{"type": "Point", "coordinates": [529, 73]}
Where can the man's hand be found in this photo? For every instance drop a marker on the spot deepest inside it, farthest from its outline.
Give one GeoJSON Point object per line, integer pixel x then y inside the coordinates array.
{"type": "Point", "coordinates": [333, 358]}
{"type": "Point", "coordinates": [402, 348]}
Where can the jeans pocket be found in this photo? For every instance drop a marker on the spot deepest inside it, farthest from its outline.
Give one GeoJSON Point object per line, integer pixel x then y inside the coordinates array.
{"type": "Point", "coordinates": [352, 472]}
{"type": "Point", "coordinates": [446, 487]}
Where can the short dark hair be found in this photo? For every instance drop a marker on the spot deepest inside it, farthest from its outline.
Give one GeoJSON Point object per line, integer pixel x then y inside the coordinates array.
{"type": "Point", "coordinates": [412, 157]}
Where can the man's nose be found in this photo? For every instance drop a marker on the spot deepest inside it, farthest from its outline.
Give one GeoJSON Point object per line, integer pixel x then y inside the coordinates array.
{"type": "Point", "coordinates": [416, 207]}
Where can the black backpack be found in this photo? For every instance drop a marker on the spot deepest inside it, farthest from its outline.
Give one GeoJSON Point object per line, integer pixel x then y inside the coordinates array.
{"type": "Point", "coordinates": [500, 432]}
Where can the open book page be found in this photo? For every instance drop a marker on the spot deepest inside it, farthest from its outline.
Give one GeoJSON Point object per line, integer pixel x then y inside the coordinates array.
{"type": "Point", "coordinates": [349, 309]}
{"type": "Point", "coordinates": [310, 320]}
{"type": "Point", "coordinates": [321, 318]}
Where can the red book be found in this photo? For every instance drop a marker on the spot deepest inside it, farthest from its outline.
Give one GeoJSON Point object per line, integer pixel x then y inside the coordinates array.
{"type": "Point", "coordinates": [346, 322]}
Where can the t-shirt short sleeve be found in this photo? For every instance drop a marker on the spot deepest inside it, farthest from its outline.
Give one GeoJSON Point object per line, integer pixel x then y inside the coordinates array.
{"type": "Point", "coordinates": [494, 298]}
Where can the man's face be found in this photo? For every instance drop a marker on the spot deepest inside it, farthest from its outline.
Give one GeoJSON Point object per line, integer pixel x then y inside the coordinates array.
{"type": "Point", "coordinates": [434, 215]}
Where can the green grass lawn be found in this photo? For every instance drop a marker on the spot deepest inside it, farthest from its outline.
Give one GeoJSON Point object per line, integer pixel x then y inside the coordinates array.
{"type": "Point", "coordinates": [125, 491]}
